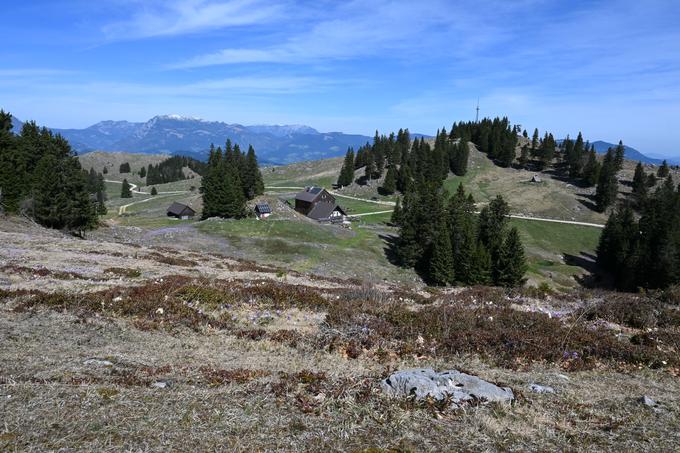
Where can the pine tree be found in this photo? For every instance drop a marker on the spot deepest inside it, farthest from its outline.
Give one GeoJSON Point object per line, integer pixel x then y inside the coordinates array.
{"type": "Point", "coordinates": [534, 142]}
{"type": "Point", "coordinates": [251, 176]}
{"type": "Point", "coordinates": [346, 177]}
{"type": "Point", "coordinates": [396, 213]}
{"type": "Point", "coordinates": [154, 192]}
{"type": "Point", "coordinates": [512, 264]}
{"type": "Point", "coordinates": [591, 171]}
{"type": "Point", "coordinates": [369, 169]}
{"type": "Point", "coordinates": [124, 168]}
{"type": "Point", "coordinates": [390, 183]}
{"type": "Point", "coordinates": [619, 155]}
{"type": "Point", "coordinates": [640, 188]}
{"type": "Point", "coordinates": [663, 171]}
{"type": "Point", "coordinates": [125, 191]}
{"type": "Point", "coordinates": [651, 180]}
{"type": "Point", "coordinates": [607, 185]}
{"type": "Point", "coordinates": [440, 270]}
{"type": "Point", "coordinates": [481, 266]}
{"type": "Point", "coordinates": [105, 170]}
{"type": "Point", "coordinates": [142, 172]}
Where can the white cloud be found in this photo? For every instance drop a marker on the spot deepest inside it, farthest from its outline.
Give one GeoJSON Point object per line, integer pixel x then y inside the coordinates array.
{"type": "Point", "coordinates": [180, 17]}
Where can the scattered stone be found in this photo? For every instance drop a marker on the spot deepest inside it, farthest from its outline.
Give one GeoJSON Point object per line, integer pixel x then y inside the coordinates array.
{"type": "Point", "coordinates": [647, 401]}
{"type": "Point", "coordinates": [161, 384]}
{"type": "Point", "coordinates": [98, 362]}
{"type": "Point", "coordinates": [536, 388]}
{"type": "Point", "coordinates": [460, 387]}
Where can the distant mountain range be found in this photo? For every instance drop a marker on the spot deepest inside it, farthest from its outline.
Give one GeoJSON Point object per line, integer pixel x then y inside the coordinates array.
{"type": "Point", "coordinates": [630, 153]}
{"type": "Point", "coordinates": [174, 134]}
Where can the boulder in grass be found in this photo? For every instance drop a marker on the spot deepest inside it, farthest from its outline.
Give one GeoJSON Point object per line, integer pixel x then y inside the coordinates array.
{"type": "Point", "coordinates": [423, 383]}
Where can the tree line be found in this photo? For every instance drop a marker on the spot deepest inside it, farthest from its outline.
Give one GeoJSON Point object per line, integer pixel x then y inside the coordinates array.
{"type": "Point", "coordinates": [41, 177]}
{"type": "Point", "coordinates": [644, 251]}
{"type": "Point", "coordinates": [400, 159]}
{"type": "Point", "coordinates": [447, 242]}
{"type": "Point", "coordinates": [171, 170]}
{"type": "Point", "coordinates": [230, 178]}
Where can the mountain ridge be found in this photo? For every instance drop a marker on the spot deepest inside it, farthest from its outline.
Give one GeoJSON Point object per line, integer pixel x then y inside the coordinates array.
{"type": "Point", "coordinates": [274, 144]}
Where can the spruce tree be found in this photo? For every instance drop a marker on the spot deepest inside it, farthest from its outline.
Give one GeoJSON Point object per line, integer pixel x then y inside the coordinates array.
{"type": "Point", "coordinates": [663, 171]}
{"type": "Point", "coordinates": [440, 270]}
{"type": "Point", "coordinates": [512, 264]}
{"type": "Point", "coordinates": [154, 192]}
{"type": "Point", "coordinates": [124, 168]}
{"type": "Point", "coordinates": [105, 170]}
{"type": "Point", "coordinates": [591, 170]}
{"type": "Point", "coordinates": [534, 142]}
{"type": "Point", "coordinates": [639, 185]}
{"type": "Point", "coordinates": [251, 177]}
{"type": "Point", "coordinates": [142, 172]}
{"type": "Point", "coordinates": [390, 183]}
{"type": "Point", "coordinates": [125, 191]}
{"type": "Point", "coordinates": [396, 213]}
{"type": "Point", "coordinates": [346, 177]}
{"type": "Point", "coordinates": [619, 155]}
{"type": "Point", "coordinates": [607, 185]}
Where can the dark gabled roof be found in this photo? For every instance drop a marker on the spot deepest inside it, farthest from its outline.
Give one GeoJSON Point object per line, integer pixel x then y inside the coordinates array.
{"type": "Point", "coordinates": [310, 194]}
{"type": "Point", "coordinates": [179, 209]}
{"type": "Point", "coordinates": [263, 208]}
{"type": "Point", "coordinates": [323, 210]}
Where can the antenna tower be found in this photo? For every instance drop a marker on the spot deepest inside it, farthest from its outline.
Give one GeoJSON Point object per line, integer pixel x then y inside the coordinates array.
{"type": "Point", "coordinates": [477, 117]}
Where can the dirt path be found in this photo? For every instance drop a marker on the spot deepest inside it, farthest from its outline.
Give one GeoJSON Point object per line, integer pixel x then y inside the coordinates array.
{"type": "Point", "coordinates": [134, 189]}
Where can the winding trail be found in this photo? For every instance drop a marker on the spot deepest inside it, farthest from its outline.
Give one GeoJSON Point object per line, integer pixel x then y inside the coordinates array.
{"type": "Point", "coordinates": [133, 189]}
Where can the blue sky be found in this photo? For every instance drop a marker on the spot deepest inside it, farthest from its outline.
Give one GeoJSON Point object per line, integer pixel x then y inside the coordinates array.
{"type": "Point", "coordinates": [608, 68]}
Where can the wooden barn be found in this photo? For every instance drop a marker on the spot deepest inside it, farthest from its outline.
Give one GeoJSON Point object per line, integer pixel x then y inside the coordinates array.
{"type": "Point", "coordinates": [316, 203]}
{"type": "Point", "coordinates": [181, 211]}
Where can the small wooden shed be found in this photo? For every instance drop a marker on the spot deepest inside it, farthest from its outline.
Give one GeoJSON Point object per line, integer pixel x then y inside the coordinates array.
{"type": "Point", "coordinates": [181, 211]}
{"type": "Point", "coordinates": [263, 210]}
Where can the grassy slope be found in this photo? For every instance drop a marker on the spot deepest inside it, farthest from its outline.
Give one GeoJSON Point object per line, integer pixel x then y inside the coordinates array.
{"type": "Point", "coordinates": [301, 245]}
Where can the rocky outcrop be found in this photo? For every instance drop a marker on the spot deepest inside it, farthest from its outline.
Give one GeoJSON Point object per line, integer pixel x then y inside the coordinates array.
{"type": "Point", "coordinates": [459, 387]}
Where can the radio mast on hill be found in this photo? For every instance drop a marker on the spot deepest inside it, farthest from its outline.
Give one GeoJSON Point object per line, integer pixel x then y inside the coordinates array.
{"type": "Point", "coordinates": [477, 117]}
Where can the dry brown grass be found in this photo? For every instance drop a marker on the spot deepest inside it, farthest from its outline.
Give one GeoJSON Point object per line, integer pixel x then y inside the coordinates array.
{"type": "Point", "coordinates": [242, 387]}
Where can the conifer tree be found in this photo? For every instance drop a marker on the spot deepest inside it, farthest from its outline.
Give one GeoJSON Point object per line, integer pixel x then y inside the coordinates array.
{"type": "Point", "coordinates": [251, 176]}
{"type": "Point", "coordinates": [481, 267]}
{"type": "Point", "coordinates": [346, 177]}
{"type": "Point", "coordinates": [441, 271]}
{"type": "Point", "coordinates": [651, 180]}
{"type": "Point", "coordinates": [640, 188]}
{"type": "Point", "coordinates": [591, 170]}
{"type": "Point", "coordinates": [663, 171]}
{"type": "Point", "coordinates": [390, 183]}
{"type": "Point", "coordinates": [124, 168]}
{"type": "Point", "coordinates": [607, 185]}
{"type": "Point", "coordinates": [619, 155]}
{"type": "Point", "coordinates": [396, 213]}
{"type": "Point", "coordinates": [512, 264]}
{"type": "Point", "coordinates": [369, 169]}
{"type": "Point", "coordinates": [125, 191]}
{"type": "Point", "coordinates": [142, 172]}
{"type": "Point", "coordinates": [534, 142]}
{"type": "Point", "coordinates": [105, 170]}
{"type": "Point", "coordinates": [154, 192]}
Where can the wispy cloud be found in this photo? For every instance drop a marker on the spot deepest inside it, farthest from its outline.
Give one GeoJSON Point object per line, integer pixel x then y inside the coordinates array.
{"type": "Point", "coordinates": [353, 29]}
{"type": "Point", "coordinates": [34, 72]}
{"type": "Point", "coordinates": [178, 17]}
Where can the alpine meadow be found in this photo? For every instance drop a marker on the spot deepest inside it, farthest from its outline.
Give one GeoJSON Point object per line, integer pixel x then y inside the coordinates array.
{"type": "Point", "coordinates": [365, 226]}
